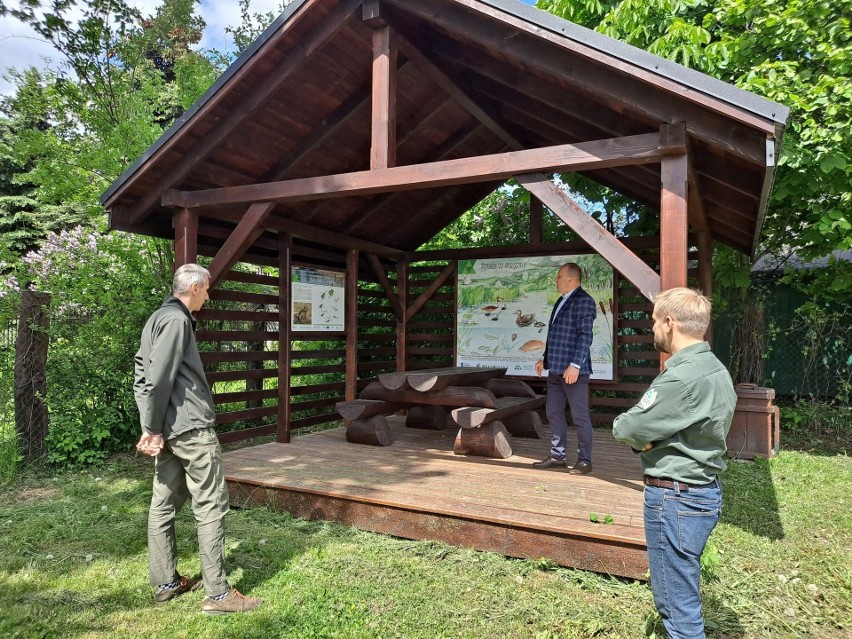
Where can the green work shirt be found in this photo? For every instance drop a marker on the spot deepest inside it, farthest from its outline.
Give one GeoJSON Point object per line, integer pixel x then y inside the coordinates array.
{"type": "Point", "coordinates": [170, 386]}
{"type": "Point", "coordinates": [685, 415]}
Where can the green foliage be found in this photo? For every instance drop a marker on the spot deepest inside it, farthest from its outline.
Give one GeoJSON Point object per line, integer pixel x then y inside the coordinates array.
{"type": "Point", "coordinates": [98, 307]}
{"type": "Point", "coordinates": [796, 53]}
{"type": "Point", "coordinates": [499, 219]}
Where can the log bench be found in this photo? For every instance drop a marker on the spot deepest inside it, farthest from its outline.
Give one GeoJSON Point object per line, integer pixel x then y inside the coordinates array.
{"type": "Point", "coordinates": [487, 408]}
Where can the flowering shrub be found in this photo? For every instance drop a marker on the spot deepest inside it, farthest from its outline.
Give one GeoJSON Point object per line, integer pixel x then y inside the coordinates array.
{"type": "Point", "coordinates": [103, 287]}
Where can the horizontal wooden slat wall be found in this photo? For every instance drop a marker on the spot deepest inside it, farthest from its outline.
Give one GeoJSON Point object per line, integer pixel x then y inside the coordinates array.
{"type": "Point", "coordinates": [238, 339]}
{"type": "Point", "coordinates": [430, 341]}
{"type": "Point", "coordinates": [376, 328]}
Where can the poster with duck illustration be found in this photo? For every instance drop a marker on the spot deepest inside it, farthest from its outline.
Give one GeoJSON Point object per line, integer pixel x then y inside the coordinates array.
{"type": "Point", "coordinates": [504, 306]}
{"type": "Point", "coordinates": [317, 299]}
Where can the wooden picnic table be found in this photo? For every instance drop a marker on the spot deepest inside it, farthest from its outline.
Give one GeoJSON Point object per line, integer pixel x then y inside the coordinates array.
{"type": "Point", "coordinates": [487, 408]}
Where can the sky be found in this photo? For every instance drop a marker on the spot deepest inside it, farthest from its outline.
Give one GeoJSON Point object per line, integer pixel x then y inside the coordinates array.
{"type": "Point", "coordinates": [20, 47]}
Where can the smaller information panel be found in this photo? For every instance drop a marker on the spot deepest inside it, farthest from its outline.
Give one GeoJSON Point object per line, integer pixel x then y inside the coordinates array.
{"type": "Point", "coordinates": [317, 299]}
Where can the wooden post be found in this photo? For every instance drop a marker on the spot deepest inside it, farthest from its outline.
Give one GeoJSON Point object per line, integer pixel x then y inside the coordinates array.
{"type": "Point", "coordinates": [383, 149]}
{"type": "Point", "coordinates": [705, 272]}
{"type": "Point", "coordinates": [402, 325]}
{"type": "Point", "coordinates": [285, 257]}
{"type": "Point", "coordinates": [31, 420]}
{"type": "Point", "coordinates": [673, 219]}
{"type": "Point", "coordinates": [351, 384]}
{"type": "Point", "coordinates": [186, 237]}
{"type": "Point", "coordinates": [536, 220]}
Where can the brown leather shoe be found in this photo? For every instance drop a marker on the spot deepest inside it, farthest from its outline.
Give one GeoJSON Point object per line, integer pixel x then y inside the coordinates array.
{"type": "Point", "coordinates": [581, 468]}
{"type": "Point", "coordinates": [550, 463]}
{"type": "Point", "coordinates": [234, 602]}
{"type": "Point", "coordinates": [184, 585]}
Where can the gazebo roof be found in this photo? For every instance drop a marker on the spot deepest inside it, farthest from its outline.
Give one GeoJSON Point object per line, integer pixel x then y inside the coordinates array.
{"type": "Point", "coordinates": [471, 75]}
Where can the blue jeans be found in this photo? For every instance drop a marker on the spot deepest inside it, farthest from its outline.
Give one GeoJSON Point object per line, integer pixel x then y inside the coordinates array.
{"type": "Point", "coordinates": [677, 525]}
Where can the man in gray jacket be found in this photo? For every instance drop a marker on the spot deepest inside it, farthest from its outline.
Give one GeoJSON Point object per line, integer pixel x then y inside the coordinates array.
{"type": "Point", "coordinates": [177, 417]}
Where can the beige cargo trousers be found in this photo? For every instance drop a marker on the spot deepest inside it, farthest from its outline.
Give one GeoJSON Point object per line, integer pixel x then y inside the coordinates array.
{"type": "Point", "coordinates": [189, 467]}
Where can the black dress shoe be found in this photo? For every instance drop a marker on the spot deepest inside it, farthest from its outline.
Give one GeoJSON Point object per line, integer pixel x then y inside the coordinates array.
{"type": "Point", "coordinates": [581, 468]}
{"type": "Point", "coordinates": [549, 463]}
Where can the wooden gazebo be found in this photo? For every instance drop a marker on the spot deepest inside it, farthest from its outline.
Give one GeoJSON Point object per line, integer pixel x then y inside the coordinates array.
{"type": "Point", "coordinates": [352, 131]}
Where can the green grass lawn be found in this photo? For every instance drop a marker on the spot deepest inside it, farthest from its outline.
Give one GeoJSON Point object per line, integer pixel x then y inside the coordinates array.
{"type": "Point", "coordinates": [73, 564]}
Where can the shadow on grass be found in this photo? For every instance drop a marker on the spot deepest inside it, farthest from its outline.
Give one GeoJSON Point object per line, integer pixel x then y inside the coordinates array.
{"type": "Point", "coordinates": [749, 499]}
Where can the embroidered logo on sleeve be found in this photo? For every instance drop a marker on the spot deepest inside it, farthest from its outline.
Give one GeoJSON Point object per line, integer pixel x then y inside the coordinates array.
{"type": "Point", "coordinates": [648, 399]}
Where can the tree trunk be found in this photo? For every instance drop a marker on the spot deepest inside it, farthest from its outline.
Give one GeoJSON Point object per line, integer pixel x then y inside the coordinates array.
{"type": "Point", "coordinates": [31, 374]}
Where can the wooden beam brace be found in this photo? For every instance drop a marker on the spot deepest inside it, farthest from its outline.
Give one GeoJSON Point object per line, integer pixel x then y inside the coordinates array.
{"type": "Point", "coordinates": [452, 89]}
{"type": "Point", "coordinates": [387, 287]}
{"type": "Point", "coordinates": [310, 233]}
{"type": "Point", "coordinates": [248, 230]}
{"type": "Point", "coordinates": [186, 237]}
{"type": "Point", "coordinates": [383, 146]}
{"type": "Point", "coordinates": [426, 295]}
{"type": "Point", "coordinates": [319, 134]}
{"type": "Point", "coordinates": [610, 248]}
{"type": "Point", "coordinates": [295, 61]}
{"type": "Point", "coordinates": [625, 151]}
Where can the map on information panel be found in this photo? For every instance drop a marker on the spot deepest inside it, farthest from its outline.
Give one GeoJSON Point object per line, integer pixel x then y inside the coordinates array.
{"type": "Point", "coordinates": [504, 306]}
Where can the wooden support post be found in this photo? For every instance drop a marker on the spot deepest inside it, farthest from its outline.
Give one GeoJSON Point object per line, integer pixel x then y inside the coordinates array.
{"type": "Point", "coordinates": [383, 148]}
{"type": "Point", "coordinates": [186, 237]}
{"type": "Point", "coordinates": [705, 272]}
{"type": "Point", "coordinates": [285, 257]}
{"type": "Point", "coordinates": [673, 217]}
{"type": "Point", "coordinates": [536, 220]}
{"type": "Point", "coordinates": [402, 324]}
{"type": "Point", "coordinates": [351, 384]}
{"type": "Point", "coordinates": [31, 418]}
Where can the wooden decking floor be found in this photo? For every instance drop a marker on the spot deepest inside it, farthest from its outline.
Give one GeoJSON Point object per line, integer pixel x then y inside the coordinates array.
{"type": "Point", "coordinates": [418, 489]}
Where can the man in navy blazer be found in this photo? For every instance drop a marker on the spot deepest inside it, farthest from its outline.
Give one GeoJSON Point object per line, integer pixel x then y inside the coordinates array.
{"type": "Point", "coordinates": [567, 358]}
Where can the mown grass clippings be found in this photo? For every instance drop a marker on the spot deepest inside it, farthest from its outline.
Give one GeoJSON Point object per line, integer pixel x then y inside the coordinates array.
{"type": "Point", "coordinates": [73, 564]}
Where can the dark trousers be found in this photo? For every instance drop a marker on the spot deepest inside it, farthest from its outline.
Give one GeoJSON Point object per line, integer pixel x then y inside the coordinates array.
{"type": "Point", "coordinates": [576, 395]}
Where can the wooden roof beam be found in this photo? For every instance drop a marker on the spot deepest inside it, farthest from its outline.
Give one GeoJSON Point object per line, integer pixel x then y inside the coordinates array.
{"type": "Point", "coordinates": [598, 74]}
{"type": "Point", "coordinates": [626, 151]}
{"type": "Point", "coordinates": [293, 62]}
{"type": "Point", "coordinates": [310, 233]}
{"type": "Point", "coordinates": [366, 218]}
{"type": "Point", "coordinates": [610, 248]}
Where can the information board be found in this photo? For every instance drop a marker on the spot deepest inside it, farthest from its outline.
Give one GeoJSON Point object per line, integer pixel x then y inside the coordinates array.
{"type": "Point", "coordinates": [504, 306]}
{"type": "Point", "coordinates": [317, 300]}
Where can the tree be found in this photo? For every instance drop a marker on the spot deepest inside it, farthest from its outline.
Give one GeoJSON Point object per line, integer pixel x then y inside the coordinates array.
{"type": "Point", "coordinates": [796, 53]}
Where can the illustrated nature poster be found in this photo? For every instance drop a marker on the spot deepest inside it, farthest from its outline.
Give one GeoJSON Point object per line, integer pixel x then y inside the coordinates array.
{"type": "Point", "coordinates": [317, 299]}
{"type": "Point", "coordinates": [504, 306]}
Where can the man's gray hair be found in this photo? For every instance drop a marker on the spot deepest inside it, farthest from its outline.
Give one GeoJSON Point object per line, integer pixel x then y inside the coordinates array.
{"type": "Point", "coordinates": [187, 275]}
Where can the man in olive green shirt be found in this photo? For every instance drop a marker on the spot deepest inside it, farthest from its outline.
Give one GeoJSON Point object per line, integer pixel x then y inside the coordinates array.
{"type": "Point", "coordinates": [679, 429]}
{"type": "Point", "coordinates": [177, 416]}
